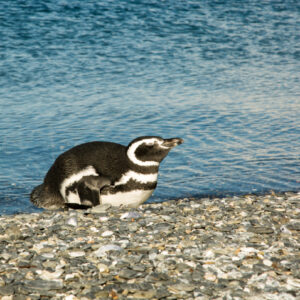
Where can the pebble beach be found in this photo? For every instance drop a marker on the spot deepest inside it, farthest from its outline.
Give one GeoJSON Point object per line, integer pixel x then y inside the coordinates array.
{"type": "Point", "coordinates": [242, 247]}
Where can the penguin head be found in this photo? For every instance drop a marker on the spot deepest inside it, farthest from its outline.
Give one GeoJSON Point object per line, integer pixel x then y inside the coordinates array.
{"type": "Point", "coordinates": [150, 150]}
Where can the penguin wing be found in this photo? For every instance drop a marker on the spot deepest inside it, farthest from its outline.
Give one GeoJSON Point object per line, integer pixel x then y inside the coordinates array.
{"type": "Point", "coordinates": [88, 190]}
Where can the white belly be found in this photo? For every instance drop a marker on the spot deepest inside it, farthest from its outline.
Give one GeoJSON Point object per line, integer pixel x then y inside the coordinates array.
{"type": "Point", "coordinates": [131, 199]}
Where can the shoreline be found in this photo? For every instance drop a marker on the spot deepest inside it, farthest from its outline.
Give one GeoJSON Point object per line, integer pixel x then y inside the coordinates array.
{"type": "Point", "coordinates": [241, 247]}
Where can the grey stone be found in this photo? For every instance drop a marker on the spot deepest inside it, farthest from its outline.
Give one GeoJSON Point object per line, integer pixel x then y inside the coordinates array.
{"type": "Point", "coordinates": [102, 208]}
{"type": "Point", "coordinates": [294, 226]}
{"type": "Point", "coordinates": [41, 285]}
{"type": "Point", "coordinates": [261, 230]}
{"type": "Point", "coordinates": [127, 273]}
{"type": "Point", "coordinates": [6, 290]}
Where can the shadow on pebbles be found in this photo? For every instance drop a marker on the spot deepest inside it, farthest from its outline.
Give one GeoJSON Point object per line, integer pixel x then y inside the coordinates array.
{"type": "Point", "coordinates": [231, 248]}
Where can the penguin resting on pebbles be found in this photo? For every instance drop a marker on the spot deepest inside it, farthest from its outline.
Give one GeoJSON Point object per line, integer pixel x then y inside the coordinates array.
{"type": "Point", "coordinates": [103, 172]}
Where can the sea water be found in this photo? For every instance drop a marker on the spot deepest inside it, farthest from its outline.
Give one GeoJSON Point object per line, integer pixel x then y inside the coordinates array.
{"type": "Point", "coordinates": [222, 75]}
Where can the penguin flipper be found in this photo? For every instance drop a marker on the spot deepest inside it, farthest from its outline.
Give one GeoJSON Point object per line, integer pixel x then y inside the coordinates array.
{"type": "Point", "coordinates": [88, 190]}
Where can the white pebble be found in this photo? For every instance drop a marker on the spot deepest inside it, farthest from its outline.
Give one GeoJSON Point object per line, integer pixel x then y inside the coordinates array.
{"type": "Point", "coordinates": [71, 276]}
{"type": "Point", "coordinates": [45, 275]}
{"type": "Point", "coordinates": [210, 276]}
{"type": "Point", "coordinates": [71, 297]}
{"type": "Point", "coordinates": [110, 247]}
{"type": "Point", "coordinates": [102, 268]}
{"type": "Point", "coordinates": [267, 262]}
{"type": "Point", "coordinates": [48, 255]}
{"type": "Point", "coordinates": [209, 254]}
{"type": "Point", "coordinates": [7, 297]}
{"type": "Point", "coordinates": [102, 208]}
{"type": "Point", "coordinates": [124, 243]}
{"type": "Point", "coordinates": [94, 229]}
{"type": "Point", "coordinates": [72, 221]}
{"type": "Point", "coordinates": [107, 233]}
{"type": "Point", "coordinates": [293, 284]}
{"type": "Point", "coordinates": [77, 253]}
{"type": "Point", "coordinates": [152, 256]}
{"type": "Point", "coordinates": [130, 215]}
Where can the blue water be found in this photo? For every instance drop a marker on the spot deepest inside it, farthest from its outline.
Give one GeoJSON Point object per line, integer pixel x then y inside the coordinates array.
{"type": "Point", "coordinates": [223, 75]}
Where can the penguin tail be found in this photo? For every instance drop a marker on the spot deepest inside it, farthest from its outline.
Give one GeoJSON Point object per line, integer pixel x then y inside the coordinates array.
{"type": "Point", "coordinates": [41, 198]}
{"type": "Point", "coordinates": [36, 195]}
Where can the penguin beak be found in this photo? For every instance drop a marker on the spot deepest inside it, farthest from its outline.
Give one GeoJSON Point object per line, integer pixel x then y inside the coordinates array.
{"type": "Point", "coordinates": [170, 143]}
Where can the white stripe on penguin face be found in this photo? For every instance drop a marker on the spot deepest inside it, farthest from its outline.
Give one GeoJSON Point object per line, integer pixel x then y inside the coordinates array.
{"type": "Point", "coordinates": [131, 152]}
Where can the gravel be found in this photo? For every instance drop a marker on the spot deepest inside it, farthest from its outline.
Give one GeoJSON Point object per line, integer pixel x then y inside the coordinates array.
{"type": "Point", "coordinates": [244, 247]}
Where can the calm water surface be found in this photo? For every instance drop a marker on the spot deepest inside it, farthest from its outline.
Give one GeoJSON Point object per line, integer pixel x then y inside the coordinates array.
{"type": "Point", "coordinates": [223, 75]}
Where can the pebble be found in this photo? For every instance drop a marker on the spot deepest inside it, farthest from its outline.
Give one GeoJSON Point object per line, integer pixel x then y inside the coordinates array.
{"type": "Point", "coordinates": [130, 215]}
{"type": "Point", "coordinates": [103, 251]}
{"type": "Point", "coordinates": [243, 247]}
{"type": "Point", "coordinates": [76, 253]}
{"type": "Point", "coordinates": [107, 233]}
{"type": "Point", "coordinates": [72, 221]}
{"type": "Point", "coordinates": [102, 208]}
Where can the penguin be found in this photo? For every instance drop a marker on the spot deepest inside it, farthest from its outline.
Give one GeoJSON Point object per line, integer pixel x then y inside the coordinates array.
{"type": "Point", "coordinates": [99, 172]}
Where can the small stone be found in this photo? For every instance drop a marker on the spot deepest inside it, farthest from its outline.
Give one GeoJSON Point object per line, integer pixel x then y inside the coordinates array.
{"type": "Point", "coordinates": [102, 251]}
{"type": "Point", "coordinates": [127, 273]}
{"type": "Point", "coordinates": [176, 288]}
{"type": "Point", "coordinates": [140, 249]}
{"type": "Point", "coordinates": [209, 254]}
{"type": "Point", "coordinates": [133, 227]}
{"type": "Point", "coordinates": [48, 255]}
{"type": "Point", "coordinates": [293, 284]}
{"type": "Point", "coordinates": [124, 243]}
{"type": "Point", "coordinates": [163, 227]}
{"type": "Point", "coordinates": [267, 262]}
{"type": "Point", "coordinates": [131, 215]}
{"type": "Point", "coordinates": [72, 221]}
{"type": "Point", "coordinates": [45, 275]}
{"type": "Point", "coordinates": [138, 268]}
{"type": "Point", "coordinates": [71, 276]}
{"type": "Point", "coordinates": [13, 232]}
{"type": "Point", "coordinates": [103, 268]}
{"type": "Point", "coordinates": [41, 285]}
{"type": "Point", "coordinates": [8, 297]}
{"type": "Point", "coordinates": [103, 295]}
{"type": "Point", "coordinates": [107, 233]}
{"type": "Point", "coordinates": [210, 277]}
{"type": "Point", "coordinates": [261, 230]}
{"type": "Point", "coordinates": [102, 208]}
{"type": "Point", "coordinates": [71, 297]}
{"type": "Point", "coordinates": [76, 253]}
{"type": "Point", "coordinates": [294, 226]}
{"type": "Point", "coordinates": [197, 276]}
{"type": "Point", "coordinates": [162, 292]}
{"type": "Point", "coordinates": [6, 290]}
{"type": "Point", "coordinates": [94, 229]}
{"type": "Point", "coordinates": [167, 218]}
{"type": "Point", "coordinates": [150, 294]}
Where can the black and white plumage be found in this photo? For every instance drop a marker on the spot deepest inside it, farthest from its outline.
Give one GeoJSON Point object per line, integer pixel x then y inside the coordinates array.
{"type": "Point", "coordinates": [103, 172]}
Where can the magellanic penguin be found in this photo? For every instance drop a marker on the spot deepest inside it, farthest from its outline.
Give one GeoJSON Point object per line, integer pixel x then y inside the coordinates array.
{"type": "Point", "coordinates": [103, 172]}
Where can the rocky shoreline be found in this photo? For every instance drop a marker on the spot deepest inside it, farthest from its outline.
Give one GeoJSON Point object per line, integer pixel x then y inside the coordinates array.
{"type": "Point", "coordinates": [229, 248]}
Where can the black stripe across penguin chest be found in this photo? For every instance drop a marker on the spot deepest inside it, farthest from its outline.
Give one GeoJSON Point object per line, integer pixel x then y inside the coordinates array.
{"type": "Point", "coordinates": [131, 189]}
